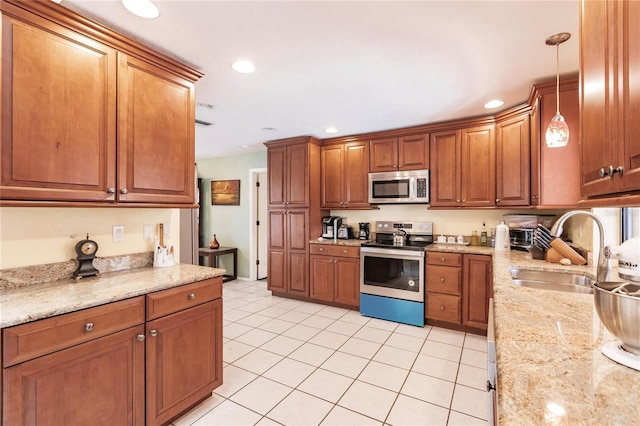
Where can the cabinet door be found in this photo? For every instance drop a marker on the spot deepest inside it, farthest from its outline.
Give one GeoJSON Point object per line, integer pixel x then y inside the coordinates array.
{"type": "Point", "coordinates": [321, 278]}
{"type": "Point", "coordinates": [383, 155]}
{"type": "Point", "coordinates": [332, 172]}
{"type": "Point", "coordinates": [156, 134]}
{"type": "Point", "coordinates": [413, 152]}
{"type": "Point", "coordinates": [276, 263]}
{"type": "Point", "coordinates": [597, 53]}
{"type": "Point", "coordinates": [478, 167]}
{"type": "Point", "coordinates": [445, 168]}
{"type": "Point", "coordinates": [276, 176]}
{"type": "Point", "coordinates": [347, 281]}
{"type": "Point", "coordinates": [513, 146]}
{"type": "Point", "coordinates": [476, 290]}
{"type": "Point", "coordinates": [297, 175]}
{"type": "Point", "coordinates": [298, 252]}
{"type": "Point", "coordinates": [184, 360]}
{"type": "Point", "coordinates": [50, 75]}
{"type": "Point", "coordinates": [356, 174]}
{"type": "Point", "coordinates": [100, 382]}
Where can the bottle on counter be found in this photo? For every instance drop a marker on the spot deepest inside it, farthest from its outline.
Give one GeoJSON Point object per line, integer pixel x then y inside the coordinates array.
{"type": "Point", "coordinates": [475, 240]}
{"type": "Point", "coordinates": [492, 240]}
{"type": "Point", "coordinates": [483, 235]}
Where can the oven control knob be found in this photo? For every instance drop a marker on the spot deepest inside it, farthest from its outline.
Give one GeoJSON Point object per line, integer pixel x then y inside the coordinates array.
{"type": "Point", "coordinates": [386, 225]}
{"type": "Point", "coordinates": [412, 283]}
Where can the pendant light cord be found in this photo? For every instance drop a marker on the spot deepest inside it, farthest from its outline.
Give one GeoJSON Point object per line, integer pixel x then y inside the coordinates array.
{"type": "Point", "coordinates": [558, 78]}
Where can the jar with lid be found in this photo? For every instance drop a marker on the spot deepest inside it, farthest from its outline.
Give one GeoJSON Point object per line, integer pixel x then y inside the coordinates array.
{"type": "Point", "coordinates": [475, 239]}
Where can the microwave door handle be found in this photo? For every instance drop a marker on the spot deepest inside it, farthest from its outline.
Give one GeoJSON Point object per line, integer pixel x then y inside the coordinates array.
{"type": "Point", "coordinates": [412, 188]}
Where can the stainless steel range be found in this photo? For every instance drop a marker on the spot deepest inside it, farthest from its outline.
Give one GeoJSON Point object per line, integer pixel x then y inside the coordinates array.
{"type": "Point", "coordinates": [392, 272]}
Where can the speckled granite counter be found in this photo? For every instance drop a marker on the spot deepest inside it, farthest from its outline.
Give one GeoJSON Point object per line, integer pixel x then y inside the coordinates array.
{"type": "Point", "coordinates": [36, 301]}
{"type": "Point", "coordinates": [328, 241]}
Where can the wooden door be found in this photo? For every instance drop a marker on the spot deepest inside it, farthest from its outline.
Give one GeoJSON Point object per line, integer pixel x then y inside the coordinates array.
{"type": "Point", "coordinates": [513, 145]}
{"type": "Point", "coordinates": [597, 53]}
{"type": "Point", "coordinates": [49, 75]}
{"type": "Point", "coordinates": [156, 134]}
{"type": "Point", "coordinates": [321, 277]}
{"type": "Point", "coordinates": [297, 165]}
{"type": "Point", "coordinates": [347, 281]}
{"type": "Point", "coordinates": [297, 241]}
{"type": "Point", "coordinates": [383, 155]}
{"type": "Point", "coordinates": [277, 176]}
{"type": "Point", "coordinates": [184, 360]}
{"type": "Point", "coordinates": [476, 290]}
{"type": "Point", "coordinates": [478, 167]}
{"type": "Point", "coordinates": [101, 382]}
{"type": "Point", "coordinates": [413, 152]}
{"type": "Point", "coordinates": [332, 173]}
{"type": "Point", "coordinates": [445, 168]}
{"type": "Point", "coordinates": [276, 263]}
{"type": "Point", "coordinates": [356, 175]}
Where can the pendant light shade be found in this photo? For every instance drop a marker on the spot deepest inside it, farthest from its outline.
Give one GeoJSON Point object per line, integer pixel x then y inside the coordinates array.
{"type": "Point", "coordinates": [557, 134]}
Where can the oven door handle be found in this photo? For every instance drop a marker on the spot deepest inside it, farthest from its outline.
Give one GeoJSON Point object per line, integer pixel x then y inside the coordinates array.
{"type": "Point", "coordinates": [389, 252]}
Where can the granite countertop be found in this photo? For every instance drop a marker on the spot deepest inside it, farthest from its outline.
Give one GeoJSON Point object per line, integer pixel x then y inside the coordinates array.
{"type": "Point", "coordinates": [36, 301]}
{"type": "Point", "coordinates": [329, 241]}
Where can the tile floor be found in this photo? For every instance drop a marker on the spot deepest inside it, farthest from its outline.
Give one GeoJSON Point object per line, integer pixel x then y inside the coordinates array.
{"type": "Point", "coordinates": [297, 363]}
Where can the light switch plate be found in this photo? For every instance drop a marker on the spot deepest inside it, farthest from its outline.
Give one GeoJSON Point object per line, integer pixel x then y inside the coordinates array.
{"type": "Point", "coordinates": [148, 232]}
{"type": "Point", "coordinates": [118, 233]}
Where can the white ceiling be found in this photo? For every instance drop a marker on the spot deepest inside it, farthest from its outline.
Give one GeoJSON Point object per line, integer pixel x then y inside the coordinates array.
{"type": "Point", "coordinates": [358, 66]}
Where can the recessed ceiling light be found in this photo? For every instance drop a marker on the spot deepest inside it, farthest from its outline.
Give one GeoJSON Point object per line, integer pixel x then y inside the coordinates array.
{"type": "Point", "coordinates": [142, 8]}
{"type": "Point", "coordinates": [204, 105]}
{"type": "Point", "coordinates": [331, 130]}
{"type": "Point", "coordinates": [243, 66]}
{"type": "Point", "coordinates": [269, 129]}
{"type": "Point", "coordinates": [496, 103]}
{"type": "Point", "coordinates": [57, 1]}
{"type": "Point", "coordinates": [245, 146]}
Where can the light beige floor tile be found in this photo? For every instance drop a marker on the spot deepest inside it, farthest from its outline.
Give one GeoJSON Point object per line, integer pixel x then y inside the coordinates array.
{"type": "Point", "coordinates": [477, 343]}
{"type": "Point", "coordinates": [273, 311]}
{"type": "Point", "coordinates": [345, 364]}
{"type": "Point", "coordinates": [473, 377]}
{"type": "Point", "coordinates": [234, 350]}
{"type": "Point", "coordinates": [276, 325]}
{"type": "Point", "coordinates": [383, 375]}
{"type": "Point", "coordinates": [474, 358]}
{"type": "Point", "coordinates": [234, 330]}
{"type": "Point", "coordinates": [369, 400]}
{"type": "Point", "coordinates": [410, 411]}
{"type": "Point", "coordinates": [290, 304]}
{"type": "Point", "coordinates": [359, 347]}
{"type": "Point", "coordinates": [329, 339]}
{"type": "Point", "coordinates": [382, 324]}
{"type": "Point", "coordinates": [394, 356]}
{"type": "Point", "coordinates": [294, 316]}
{"type": "Point", "coordinates": [344, 327]}
{"type": "Point", "coordinates": [372, 334]}
{"type": "Point", "coordinates": [402, 341]}
{"type": "Point", "coordinates": [256, 337]}
{"type": "Point", "coordinates": [228, 413]}
{"type": "Point", "coordinates": [412, 330]}
{"type": "Point", "coordinates": [234, 315]}
{"type": "Point", "coordinates": [199, 411]}
{"type": "Point", "coordinates": [436, 367]}
{"type": "Point", "coordinates": [289, 372]}
{"type": "Point", "coordinates": [233, 303]}
{"type": "Point", "coordinates": [309, 308]}
{"type": "Point", "coordinates": [443, 335]}
{"type": "Point", "coordinates": [252, 307]}
{"type": "Point", "coordinates": [234, 379]}
{"type": "Point", "coordinates": [282, 345]}
{"type": "Point", "coordinates": [326, 385]}
{"type": "Point", "coordinates": [332, 312]}
{"type": "Point", "coordinates": [430, 389]}
{"type": "Point", "coordinates": [301, 332]}
{"type": "Point", "coordinates": [441, 350]}
{"type": "Point", "coordinates": [261, 395]}
{"type": "Point", "coordinates": [299, 408]}
{"type": "Point", "coordinates": [311, 354]}
{"type": "Point", "coordinates": [318, 322]}
{"type": "Point", "coordinates": [355, 317]}
{"type": "Point", "coordinates": [266, 421]}
{"type": "Point", "coordinates": [254, 320]}
{"type": "Point", "coordinates": [472, 402]}
{"type": "Point", "coordinates": [340, 416]}
{"type": "Point", "coordinates": [459, 419]}
{"type": "Point", "coordinates": [258, 361]}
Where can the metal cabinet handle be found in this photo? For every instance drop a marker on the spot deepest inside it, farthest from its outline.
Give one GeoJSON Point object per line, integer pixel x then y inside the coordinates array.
{"type": "Point", "coordinates": [490, 387]}
{"type": "Point", "coordinates": [153, 333]}
{"type": "Point", "coordinates": [442, 259]}
{"type": "Point", "coordinates": [497, 200]}
{"type": "Point", "coordinates": [441, 280]}
{"type": "Point", "coordinates": [124, 191]}
{"type": "Point", "coordinates": [88, 326]}
{"type": "Point", "coordinates": [442, 308]}
{"type": "Point", "coordinates": [534, 197]}
{"type": "Point", "coordinates": [344, 251]}
{"type": "Point", "coordinates": [111, 190]}
{"type": "Point", "coordinates": [321, 249]}
{"type": "Point", "coordinates": [191, 296]}
{"type": "Point", "coordinates": [606, 171]}
{"type": "Point", "coordinates": [619, 170]}
{"type": "Point", "coordinates": [140, 337]}
{"type": "Point", "coordinates": [457, 201]}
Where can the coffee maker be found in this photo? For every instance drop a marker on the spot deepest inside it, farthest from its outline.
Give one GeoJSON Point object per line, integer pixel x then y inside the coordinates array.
{"type": "Point", "coordinates": [330, 225]}
{"type": "Point", "coordinates": [363, 234]}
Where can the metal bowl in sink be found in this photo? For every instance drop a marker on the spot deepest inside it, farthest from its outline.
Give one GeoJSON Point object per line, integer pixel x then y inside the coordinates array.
{"type": "Point", "coordinates": [552, 280]}
{"type": "Point", "coordinates": [620, 312]}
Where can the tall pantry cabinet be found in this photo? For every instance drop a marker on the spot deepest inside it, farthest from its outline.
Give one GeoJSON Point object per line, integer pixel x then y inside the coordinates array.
{"type": "Point", "coordinates": [294, 214]}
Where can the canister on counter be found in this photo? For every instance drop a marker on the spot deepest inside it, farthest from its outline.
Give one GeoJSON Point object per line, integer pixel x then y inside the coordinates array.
{"type": "Point", "coordinates": [475, 239]}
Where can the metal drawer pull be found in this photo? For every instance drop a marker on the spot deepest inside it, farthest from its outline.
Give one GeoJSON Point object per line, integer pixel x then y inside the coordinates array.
{"type": "Point", "coordinates": [441, 280]}
{"type": "Point", "coordinates": [321, 249]}
{"type": "Point", "coordinates": [442, 259]}
{"type": "Point", "coordinates": [88, 326]}
{"type": "Point", "coordinates": [442, 308]}
{"type": "Point", "coordinates": [191, 296]}
{"type": "Point", "coordinates": [153, 333]}
{"type": "Point", "coordinates": [140, 337]}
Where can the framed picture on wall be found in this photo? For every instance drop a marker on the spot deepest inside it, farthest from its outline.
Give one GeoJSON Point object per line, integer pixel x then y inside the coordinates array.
{"type": "Point", "coordinates": [225, 192]}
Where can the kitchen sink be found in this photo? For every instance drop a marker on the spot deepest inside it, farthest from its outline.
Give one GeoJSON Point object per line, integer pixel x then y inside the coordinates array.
{"type": "Point", "coordinates": [552, 280]}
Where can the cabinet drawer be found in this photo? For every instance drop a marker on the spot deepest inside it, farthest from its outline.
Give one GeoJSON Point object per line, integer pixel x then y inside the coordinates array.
{"type": "Point", "coordinates": [175, 299]}
{"type": "Point", "coordinates": [445, 259]}
{"type": "Point", "coordinates": [329, 250]}
{"type": "Point", "coordinates": [28, 341]}
{"type": "Point", "coordinates": [444, 279]}
{"type": "Point", "coordinates": [443, 307]}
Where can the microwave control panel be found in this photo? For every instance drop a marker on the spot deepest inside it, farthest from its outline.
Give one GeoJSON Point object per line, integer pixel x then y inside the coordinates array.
{"type": "Point", "coordinates": [421, 187]}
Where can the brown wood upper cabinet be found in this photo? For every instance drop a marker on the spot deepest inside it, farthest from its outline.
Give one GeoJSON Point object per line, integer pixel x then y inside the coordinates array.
{"type": "Point", "coordinates": [610, 96]}
{"type": "Point", "coordinates": [513, 145]}
{"type": "Point", "coordinates": [463, 169]}
{"type": "Point", "coordinates": [401, 153]}
{"type": "Point", "coordinates": [288, 176]}
{"type": "Point", "coordinates": [344, 173]}
{"type": "Point", "coordinates": [95, 118]}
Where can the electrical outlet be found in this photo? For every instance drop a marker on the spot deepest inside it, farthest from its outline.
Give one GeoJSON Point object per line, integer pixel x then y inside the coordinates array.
{"type": "Point", "coordinates": [118, 233]}
{"type": "Point", "coordinates": [148, 232]}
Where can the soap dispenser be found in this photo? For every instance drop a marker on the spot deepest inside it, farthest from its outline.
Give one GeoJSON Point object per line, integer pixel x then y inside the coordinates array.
{"type": "Point", "coordinates": [502, 237]}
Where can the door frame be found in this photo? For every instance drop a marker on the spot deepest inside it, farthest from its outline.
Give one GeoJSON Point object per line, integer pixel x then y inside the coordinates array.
{"type": "Point", "coordinates": [253, 217]}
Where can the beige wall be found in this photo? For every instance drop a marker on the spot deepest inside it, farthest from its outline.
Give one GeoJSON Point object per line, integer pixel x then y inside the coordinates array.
{"type": "Point", "coordinates": [40, 235]}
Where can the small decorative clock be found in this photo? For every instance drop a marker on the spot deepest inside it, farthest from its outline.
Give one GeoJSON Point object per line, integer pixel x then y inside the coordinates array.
{"type": "Point", "coordinates": [86, 250]}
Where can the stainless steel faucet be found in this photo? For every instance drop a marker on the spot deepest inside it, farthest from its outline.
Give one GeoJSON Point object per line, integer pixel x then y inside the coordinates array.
{"type": "Point", "coordinates": [605, 268]}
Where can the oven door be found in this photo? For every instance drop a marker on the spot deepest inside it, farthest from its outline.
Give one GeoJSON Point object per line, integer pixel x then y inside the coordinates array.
{"type": "Point", "coordinates": [392, 273]}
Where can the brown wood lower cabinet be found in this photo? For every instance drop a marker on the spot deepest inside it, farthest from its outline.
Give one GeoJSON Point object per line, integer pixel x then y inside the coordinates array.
{"type": "Point", "coordinates": [94, 366]}
{"type": "Point", "coordinates": [335, 274]}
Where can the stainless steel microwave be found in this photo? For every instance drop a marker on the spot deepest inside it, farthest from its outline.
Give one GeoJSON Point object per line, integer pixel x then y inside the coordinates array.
{"type": "Point", "coordinates": [410, 186]}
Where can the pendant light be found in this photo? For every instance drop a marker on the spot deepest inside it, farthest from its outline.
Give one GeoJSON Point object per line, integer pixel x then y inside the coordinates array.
{"type": "Point", "coordinates": [557, 134]}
